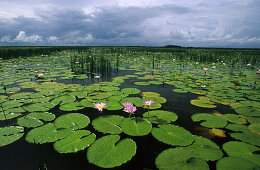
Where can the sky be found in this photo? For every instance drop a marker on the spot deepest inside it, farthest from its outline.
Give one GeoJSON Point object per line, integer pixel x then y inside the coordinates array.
{"type": "Point", "coordinates": [197, 23]}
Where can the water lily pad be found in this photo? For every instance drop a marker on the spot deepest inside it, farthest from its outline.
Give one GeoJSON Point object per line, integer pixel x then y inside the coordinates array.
{"type": "Point", "coordinates": [180, 90]}
{"type": "Point", "coordinates": [11, 113]}
{"type": "Point", "coordinates": [156, 82]}
{"type": "Point", "coordinates": [136, 126]}
{"type": "Point", "coordinates": [202, 103]}
{"type": "Point", "coordinates": [173, 135]}
{"type": "Point", "coordinates": [47, 133]}
{"type": "Point", "coordinates": [150, 94]}
{"type": "Point", "coordinates": [38, 107]}
{"type": "Point", "coordinates": [161, 116]}
{"type": "Point", "coordinates": [154, 105]}
{"type": "Point", "coordinates": [209, 120]}
{"type": "Point", "coordinates": [228, 163]}
{"type": "Point", "coordinates": [142, 83]}
{"type": "Point", "coordinates": [11, 104]}
{"type": "Point", "coordinates": [248, 111]}
{"type": "Point", "coordinates": [10, 134]}
{"type": "Point", "coordinates": [255, 128]}
{"type": "Point", "coordinates": [135, 100]}
{"type": "Point", "coordinates": [63, 100]}
{"type": "Point", "coordinates": [234, 118]}
{"type": "Point", "coordinates": [109, 88]}
{"type": "Point", "coordinates": [179, 158]}
{"type": "Point", "coordinates": [242, 150]}
{"type": "Point", "coordinates": [156, 99]}
{"type": "Point", "coordinates": [243, 134]}
{"type": "Point", "coordinates": [71, 106]}
{"type": "Point", "coordinates": [109, 152]}
{"type": "Point", "coordinates": [33, 119]}
{"type": "Point", "coordinates": [108, 124]}
{"type": "Point", "coordinates": [72, 120]}
{"type": "Point", "coordinates": [131, 90]}
{"type": "Point", "coordinates": [75, 142]}
{"type": "Point", "coordinates": [114, 105]}
{"type": "Point", "coordinates": [86, 103]}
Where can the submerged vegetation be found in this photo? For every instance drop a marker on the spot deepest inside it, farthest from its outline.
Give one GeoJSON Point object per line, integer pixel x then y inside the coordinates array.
{"type": "Point", "coordinates": [135, 107]}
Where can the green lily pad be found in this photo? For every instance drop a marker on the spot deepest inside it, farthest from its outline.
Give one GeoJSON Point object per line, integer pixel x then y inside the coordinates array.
{"type": "Point", "coordinates": [209, 120]}
{"type": "Point", "coordinates": [255, 128]}
{"type": "Point", "coordinates": [150, 94]}
{"type": "Point", "coordinates": [47, 133]}
{"type": "Point", "coordinates": [72, 120]}
{"type": "Point", "coordinates": [242, 150]}
{"type": "Point", "coordinates": [179, 158]}
{"type": "Point", "coordinates": [131, 90]}
{"type": "Point", "coordinates": [243, 134]}
{"type": "Point", "coordinates": [11, 113]}
{"type": "Point", "coordinates": [109, 88]}
{"type": "Point", "coordinates": [156, 82]}
{"type": "Point", "coordinates": [10, 134]}
{"type": "Point", "coordinates": [63, 100]}
{"type": "Point", "coordinates": [33, 119]}
{"type": "Point", "coordinates": [180, 90]}
{"type": "Point", "coordinates": [202, 103]}
{"type": "Point", "coordinates": [108, 124]}
{"type": "Point", "coordinates": [75, 142]}
{"type": "Point", "coordinates": [71, 106]}
{"type": "Point", "coordinates": [38, 107]}
{"type": "Point", "coordinates": [173, 135]}
{"type": "Point", "coordinates": [248, 111]}
{"type": "Point", "coordinates": [141, 83]}
{"type": "Point", "coordinates": [228, 163]}
{"type": "Point", "coordinates": [136, 126]}
{"type": "Point", "coordinates": [234, 118]}
{"type": "Point", "coordinates": [11, 104]}
{"type": "Point", "coordinates": [135, 100]}
{"type": "Point", "coordinates": [109, 152]}
{"type": "Point", "coordinates": [161, 116]}
{"type": "Point", "coordinates": [86, 103]}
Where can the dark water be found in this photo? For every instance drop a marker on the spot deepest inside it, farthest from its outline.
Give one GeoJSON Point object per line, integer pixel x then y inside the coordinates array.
{"type": "Point", "coordinates": [21, 155]}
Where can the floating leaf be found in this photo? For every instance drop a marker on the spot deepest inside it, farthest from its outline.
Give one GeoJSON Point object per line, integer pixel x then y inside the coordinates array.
{"type": "Point", "coordinates": [72, 120]}
{"type": "Point", "coordinates": [202, 103]}
{"type": "Point", "coordinates": [11, 113]}
{"type": "Point", "coordinates": [161, 116]}
{"type": "Point", "coordinates": [136, 126]}
{"type": "Point", "coordinates": [86, 103]}
{"type": "Point", "coordinates": [135, 100]}
{"type": "Point", "coordinates": [75, 142]}
{"type": "Point", "coordinates": [228, 163]}
{"type": "Point", "coordinates": [218, 132]}
{"type": "Point", "coordinates": [142, 83]}
{"type": "Point", "coordinates": [33, 119]}
{"type": "Point", "coordinates": [108, 124]}
{"type": "Point", "coordinates": [131, 90]}
{"type": "Point", "coordinates": [150, 94]}
{"type": "Point", "coordinates": [180, 90]}
{"type": "Point", "coordinates": [71, 106]}
{"type": "Point", "coordinates": [63, 100]}
{"type": "Point", "coordinates": [109, 152]}
{"type": "Point", "coordinates": [234, 118]}
{"type": "Point", "coordinates": [242, 150]}
{"type": "Point", "coordinates": [209, 120]}
{"type": "Point", "coordinates": [156, 99]}
{"type": "Point", "coordinates": [179, 158]}
{"type": "Point", "coordinates": [10, 134]}
{"type": "Point", "coordinates": [38, 107]}
{"type": "Point", "coordinates": [173, 135]}
{"type": "Point", "coordinates": [47, 133]}
{"type": "Point", "coordinates": [248, 111]}
{"type": "Point", "coordinates": [245, 134]}
{"type": "Point", "coordinates": [114, 105]}
{"type": "Point", "coordinates": [255, 128]}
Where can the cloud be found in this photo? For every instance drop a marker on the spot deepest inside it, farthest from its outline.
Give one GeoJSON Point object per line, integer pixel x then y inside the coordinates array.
{"type": "Point", "coordinates": [196, 23]}
{"type": "Point", "coordinates": [22, 37]}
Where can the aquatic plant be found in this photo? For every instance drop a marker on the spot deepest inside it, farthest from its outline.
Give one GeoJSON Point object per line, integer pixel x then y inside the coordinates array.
{"type": "Point", "coordinates": [100, 106]}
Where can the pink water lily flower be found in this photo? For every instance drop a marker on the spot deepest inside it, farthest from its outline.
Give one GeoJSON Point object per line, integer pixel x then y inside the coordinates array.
{"type": "Point", "coordinates": [100, 106]}
{"type": "Point", "coordinates": [125, 104]}
{"type": "Point", "coordinates": [40, 75]}
{"type": "Point", "coordinates": [130, 109]}
{"type": "Point", "coordinates": [205, 69]}
{"type": "Point", "coordinates": [148, 102]}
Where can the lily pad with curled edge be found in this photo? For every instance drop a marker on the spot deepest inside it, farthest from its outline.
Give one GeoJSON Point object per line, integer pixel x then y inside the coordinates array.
{"type": "Point", "coordinates": [114, 105]}
{"type": "Point", "coordinates": [72, 120]}
{"type": "Point", "coordinates": [234, 118]}
{"type": "Point", "coordinates": [78, 140]}
{"type": "Point", "coordinates": [10, 134]}
{"type": "Point", "coordinates": [150, 94]}
{"type": "Point", "coordinates": [173, 135]}
{"type": "Point", "coordinates": [11, 113]}
{"type": "Point", "coordinates": [205, 149]}
{"type": "Point", "coordinates": [109, 151]}
{"type": "Point", "coordinates": [131, 90]}
{"type": "Point", "coordinates": [47, 133]}
{"type": "Point", "coordinates": [179, 158]}
{"type": "Point", "coordinates": [243, 133]}
{"type": "Point", "coordinates": [255, 128]}
{"type": "Point", "coordinates": [209, 120]}
{"type": "Point", "coordinates": [71, 106]}
{"type": "Point", "coordinates": [108, 124]}
{"type": "Point", "coordinates": [248, 111]}
{"type": "Point", "coordinates": [135, 100]}
{"type": "Point", "coordinates": [63, 100]}
{"type": "Point", "coordinates": [136, 126]}
{"type": "Point", "coordinates": [202, 103]}
{"type": "Point", "coordinates": [34, 119]}
{"type": "Point", "coordinates": [228, 163]}
{"type": "Point", "coordinates": [242, 150]}
{"type": "Point", "coordinates": [160, 116]}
